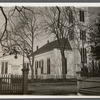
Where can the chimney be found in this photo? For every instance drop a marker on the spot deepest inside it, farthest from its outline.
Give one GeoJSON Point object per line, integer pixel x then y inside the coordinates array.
{"type": "Point", "coordinates": [37, 48]}
{"type": "Point", "coordinates": [47, 41]}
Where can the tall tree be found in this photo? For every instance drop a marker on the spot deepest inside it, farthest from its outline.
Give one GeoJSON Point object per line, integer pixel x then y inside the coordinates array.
{"type": "Point", "coordinates": [94, 42]}
{"type": "Point", "coordinates": [5, 24]}
{"type": "Point", "coordinates": [95, 39]}
{"type": "Point", "coordinates": [24, 27]}
{"type": "Point", "coordinates": [61, 22]}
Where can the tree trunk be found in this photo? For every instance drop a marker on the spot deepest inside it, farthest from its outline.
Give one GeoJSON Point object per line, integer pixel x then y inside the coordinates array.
{"type": "Point", "coordinates": [31, 67]}
{"type": "Point", "coordinates": [32, 73]}
{"type": "Point", "coordinates": [63, 65]}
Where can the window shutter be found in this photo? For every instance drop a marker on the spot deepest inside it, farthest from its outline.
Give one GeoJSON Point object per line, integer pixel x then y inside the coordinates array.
{"type": "Point", "coordinates": [2, 68]}
{"type": "Point", "coordinates": [83, 55]}
{"type": "Point", "coordinates": [6, 67]}
{"type": "Point", "coordinates": [35, 64]}
{"type": "Point", "coordinates": [42, 67]}
{"type": "Point", "coordinates": [82, 35]}
{"type": "Point", "coordinates": [35, 67]}
{"type": "Point", "coordinates": [39, 64]}
{"type": "Point", "coordinates": [81, 14]}
{"type": "Point", "coordinates": [48, 66]}
{"type": "Point", "coordinates": [66, 65]}
{"type": "Point", "coordinates": [70, 17]}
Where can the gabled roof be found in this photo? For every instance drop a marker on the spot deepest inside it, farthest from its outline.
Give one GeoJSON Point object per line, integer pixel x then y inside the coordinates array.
{"type": "Point", "coordinates": [52, 45]}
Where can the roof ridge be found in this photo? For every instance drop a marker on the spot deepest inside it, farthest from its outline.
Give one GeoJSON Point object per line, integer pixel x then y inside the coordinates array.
{"type": "Point", "coordinates": [50, 46]}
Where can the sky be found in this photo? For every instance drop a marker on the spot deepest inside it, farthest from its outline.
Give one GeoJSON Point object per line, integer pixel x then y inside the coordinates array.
{"type": "Point", "coordinates": [93, 14]}
{"type": "Point", "coordinates": [43, 40]}
{"type": "Point", "coordinates": [2, 19]}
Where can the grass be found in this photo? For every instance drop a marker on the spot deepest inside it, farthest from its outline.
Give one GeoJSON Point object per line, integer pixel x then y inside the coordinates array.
{"type": "Point", "coordinates": [52, 80]}
{"type": "Point", "coordinates": [60, 88]}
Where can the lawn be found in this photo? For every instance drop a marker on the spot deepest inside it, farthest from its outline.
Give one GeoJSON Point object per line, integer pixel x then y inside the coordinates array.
{"type": "Point", "coordinates": [53, 88]}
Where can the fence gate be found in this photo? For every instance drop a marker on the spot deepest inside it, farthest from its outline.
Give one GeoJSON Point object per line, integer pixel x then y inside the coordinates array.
{"type": "Point", "coordinates": [11, 84]}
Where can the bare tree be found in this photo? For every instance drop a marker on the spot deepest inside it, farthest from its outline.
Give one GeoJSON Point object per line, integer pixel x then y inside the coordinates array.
{"type": "Point", "coordinates": [5, 24]}
{"type": "Point", "coordinates": [23, 29]}
{"type": "Point", "coordinates": [63, 23]}
{"type": "Point", "coordinates": [26, 23]}
{"type": "Point", "coordinates": [56, 21]}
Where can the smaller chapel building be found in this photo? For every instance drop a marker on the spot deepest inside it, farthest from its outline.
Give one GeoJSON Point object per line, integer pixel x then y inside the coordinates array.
{"type": "Point", "coordinates": [48, 64]}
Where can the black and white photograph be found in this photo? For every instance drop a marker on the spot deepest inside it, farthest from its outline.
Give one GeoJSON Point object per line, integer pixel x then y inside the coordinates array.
{"type": "Point", "coordinates": [50, 50]}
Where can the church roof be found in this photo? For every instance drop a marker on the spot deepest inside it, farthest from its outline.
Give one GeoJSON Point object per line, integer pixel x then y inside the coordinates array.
{"type": "Point", "coordinates": [52, 45]}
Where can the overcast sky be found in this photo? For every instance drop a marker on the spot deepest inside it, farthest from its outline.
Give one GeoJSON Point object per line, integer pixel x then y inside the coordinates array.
{"type": "Point", "coordinates": [40, 42]}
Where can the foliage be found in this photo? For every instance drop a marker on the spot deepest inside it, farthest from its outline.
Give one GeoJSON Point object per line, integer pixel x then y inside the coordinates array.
{"type": "Point", "coordinates": [95, 40]}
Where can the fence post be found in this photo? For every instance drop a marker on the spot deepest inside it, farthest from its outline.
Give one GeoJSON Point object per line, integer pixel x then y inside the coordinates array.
{"type": "Point", "coordinates": [25, 80]}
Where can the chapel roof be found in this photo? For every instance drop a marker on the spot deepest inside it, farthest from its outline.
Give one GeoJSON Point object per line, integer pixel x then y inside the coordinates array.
{"type": "Point", "coordinates": [52, 45]}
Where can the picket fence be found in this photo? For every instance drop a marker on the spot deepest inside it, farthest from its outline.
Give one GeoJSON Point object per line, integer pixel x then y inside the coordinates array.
{"type": "Point", "coordinates": [11, 84]}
